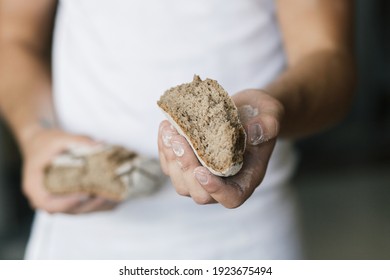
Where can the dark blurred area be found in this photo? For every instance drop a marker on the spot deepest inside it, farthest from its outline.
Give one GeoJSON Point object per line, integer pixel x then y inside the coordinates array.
{"type": "Point", "coordinates": [344, 177]}
{"type": "Point", "coordinates": [15, 213]}
{"type": "Point", "coordinates": [343, 181]}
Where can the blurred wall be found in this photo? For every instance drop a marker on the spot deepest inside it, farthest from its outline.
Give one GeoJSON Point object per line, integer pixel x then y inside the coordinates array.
{"type": "Point", "coordinates": [365, 134]}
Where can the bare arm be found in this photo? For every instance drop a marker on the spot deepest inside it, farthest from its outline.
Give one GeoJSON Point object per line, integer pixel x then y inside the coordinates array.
{"type": "Point", "coordinates": [317, 88]}
{"type": "Point", "coordinates": [25, 87]}
{"type": "Point", "coordinates": [26, 101]}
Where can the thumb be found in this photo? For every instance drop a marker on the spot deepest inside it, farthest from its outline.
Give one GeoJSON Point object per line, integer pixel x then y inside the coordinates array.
{"type": "Point", "coordinates": [261, 126]}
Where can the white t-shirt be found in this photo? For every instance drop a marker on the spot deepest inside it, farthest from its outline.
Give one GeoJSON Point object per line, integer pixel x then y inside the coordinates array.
{"type": "Point", "coordinates": [112, 61]}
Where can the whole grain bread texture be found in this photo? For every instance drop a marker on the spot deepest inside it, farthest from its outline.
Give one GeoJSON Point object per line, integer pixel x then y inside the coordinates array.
{"type": "Point", "coordinates": [204, 113]}
{"type": "Point", "coordinates": [112, 172]}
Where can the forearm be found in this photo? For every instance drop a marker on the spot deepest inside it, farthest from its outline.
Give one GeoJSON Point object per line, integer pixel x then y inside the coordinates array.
{"type": "Point", "coordinates": [25, 91]}
{"type": "Point", "coordinates": [315, 92]}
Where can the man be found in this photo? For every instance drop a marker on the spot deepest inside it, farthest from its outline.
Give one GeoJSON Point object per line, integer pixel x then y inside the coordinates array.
{"type": "Point", "coordinates": [290, 61]}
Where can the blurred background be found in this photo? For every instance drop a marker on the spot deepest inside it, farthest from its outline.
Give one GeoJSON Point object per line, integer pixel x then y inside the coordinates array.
{"type": "Point", "coordinates": [343, 180]}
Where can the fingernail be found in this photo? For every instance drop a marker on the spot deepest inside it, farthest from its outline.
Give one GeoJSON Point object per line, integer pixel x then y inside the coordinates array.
{"type": "Point", "coordinates": [166, 137]}
{"type": "Point", "coordinates": [178, 148]}
{"type": "Point", "coordinates": [202, 177]}
{"type": "Point", "coordinates": [255, 134]}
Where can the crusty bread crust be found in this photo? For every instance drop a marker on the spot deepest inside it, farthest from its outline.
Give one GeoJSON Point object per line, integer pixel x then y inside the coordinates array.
{"type": "Point", "coordinates": [112, 172]}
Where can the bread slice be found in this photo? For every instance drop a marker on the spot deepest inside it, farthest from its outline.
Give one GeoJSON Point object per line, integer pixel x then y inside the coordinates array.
{"type": "Point", "coordinates": [108, 171]}
{"type": "Point", "coordinates": [207, 117]}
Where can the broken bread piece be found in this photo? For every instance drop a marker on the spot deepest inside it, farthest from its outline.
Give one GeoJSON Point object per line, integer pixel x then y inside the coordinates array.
{"type": "Point", "coordinates": [204, 113]}
{"type": "Point", "coordinates": [111, 172]}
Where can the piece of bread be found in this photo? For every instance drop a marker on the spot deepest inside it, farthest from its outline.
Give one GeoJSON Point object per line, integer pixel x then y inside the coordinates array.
{"type": "Point", "coordinates": [107, 171]}
{"type": "Point", "coordinates": [207, 117]}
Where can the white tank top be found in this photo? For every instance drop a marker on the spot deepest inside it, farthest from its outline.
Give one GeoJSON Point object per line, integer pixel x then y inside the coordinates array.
{"type": "Point", "coordinates": [112, 61]}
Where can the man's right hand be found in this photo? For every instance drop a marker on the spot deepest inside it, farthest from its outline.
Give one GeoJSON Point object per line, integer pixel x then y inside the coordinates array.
{"type": "Point", "coordinates": [26, 99]}
{"type": "Point", "coordinates": [38, 152]}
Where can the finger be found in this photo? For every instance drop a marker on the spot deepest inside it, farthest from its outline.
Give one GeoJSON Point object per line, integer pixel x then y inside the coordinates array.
{"type": "Point", "coordinates": [163, 163]}
{"type": "Point", "coordinates": [181, 164]}
{"type": "Point", "coordinates": [177, 155]}
{"type": "Point", "coordinates": [184, 155]}
{"type": "Point", "coordinates": [262, 128]}
{"type": "Point", "coordinates": [186, 163]}
{"type": "Point", "coordinates": [168, 157]}
{"type": "Point", "coordinates": [70, 141]}
{"type": "Point", "coordinates": [62, 203]}
{"type": "Point", "coordinates": [260, 114]}
{"type": "Point", "coordinates": [161, 155]}
{"type": "Point", "coordinates": [164, 144]}
{"type": "Point", "coordinates": [180, 161]}
{"type": "Point", "coordinates": [233, 191]}
{"type": "Point", "coordinates": [93, 204]}
{"type": "Point", "coordinates": [166, 131]}
{"type": "Point", "coordinates": [109, 205]}
{"type": "Point", "coordinates": [62, 143]}
{"type": "Point", "coordinates": [198, 193]}
{"type": "Point", "coordinates": [38, 196]}
{"type": "Point", "coordinates": [225, 191]}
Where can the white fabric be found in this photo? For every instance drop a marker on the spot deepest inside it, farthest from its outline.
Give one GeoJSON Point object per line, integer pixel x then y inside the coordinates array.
{"type": "Point", "coordinates": [112, 61]}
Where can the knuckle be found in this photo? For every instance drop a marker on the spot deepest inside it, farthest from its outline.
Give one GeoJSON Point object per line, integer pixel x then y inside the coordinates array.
{"type": "Point", "coordinates": [169, 155]}
{"type": "Point", "coordinates": [231, 205]}
{"type": "Point", "coordinates": [184, 166]}
{"type": "Point", "coordinates": [201, 199]}
{"type": "Point", "coordinates": [235, 203]}
{"type": "Point", "coordinates": [181, 191]}
{"type": "Point", "coordinates": [50, 210]}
